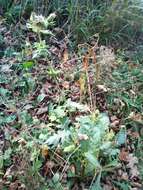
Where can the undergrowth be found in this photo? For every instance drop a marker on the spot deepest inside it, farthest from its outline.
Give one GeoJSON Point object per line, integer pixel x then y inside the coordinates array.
{"type": "Point", "coordinates": [71, 119]}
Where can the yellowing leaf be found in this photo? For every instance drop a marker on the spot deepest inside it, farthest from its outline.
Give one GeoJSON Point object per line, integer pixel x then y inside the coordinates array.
{"type": "Point", "coordinates": [44, 150]}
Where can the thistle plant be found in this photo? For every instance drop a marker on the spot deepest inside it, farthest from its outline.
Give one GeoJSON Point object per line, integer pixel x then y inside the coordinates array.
{"type": "Point", "coordinates": [41, 25]}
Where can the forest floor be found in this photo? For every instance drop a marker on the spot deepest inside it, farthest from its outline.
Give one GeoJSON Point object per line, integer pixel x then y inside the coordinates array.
{"type": "Point", "coordinates": [34, 93]}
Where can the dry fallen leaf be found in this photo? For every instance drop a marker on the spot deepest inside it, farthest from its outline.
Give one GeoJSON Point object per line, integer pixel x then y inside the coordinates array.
{"type": "Point", "coordinates": [65, 84]}
{"type": "Point", "coordinates": [132, 160]}
{"type": "Point", "coordinates": [132, 165]}
{"type": "Point", "coordinates": [123, 155]}
{"type": "Point", "coordinates": [42, 110]}
{"type": "Point", "coordinates": [65, 56]}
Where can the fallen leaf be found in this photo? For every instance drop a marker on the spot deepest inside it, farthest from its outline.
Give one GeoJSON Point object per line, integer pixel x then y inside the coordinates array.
{"type": "Point", "coordinates": [132, 160]}
{"type": "Point", "coordinates": [42, 110]}
{"type": "Point", "coordinates": [14, 185]}
{"type": "Point", "coordinates": [132, 165]}
{"type": "Point", "coordinates": [123, 155]}
{"type": "Point", "coordinates": [65, 84]}
{"type": "Point", "coordinates": [65, 56]}
{"type": "Point", "coordinates": [125, 176]}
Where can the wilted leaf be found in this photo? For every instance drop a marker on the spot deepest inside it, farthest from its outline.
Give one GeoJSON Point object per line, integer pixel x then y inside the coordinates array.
{"type": "Point", "coordinates": [82, 84]}
{"type": "Point", "coordinates": [44, 150]}
{"type": "Point", "coordinates": [85, 62]}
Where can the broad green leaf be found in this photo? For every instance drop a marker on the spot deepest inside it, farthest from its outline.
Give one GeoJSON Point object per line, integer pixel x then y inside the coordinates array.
{"type": "Point", "coordinates": [69, 148]}
{"type": "Point", "coordinates": [28, 64]}
{"type": "Point", "coordinates": [92, 159]}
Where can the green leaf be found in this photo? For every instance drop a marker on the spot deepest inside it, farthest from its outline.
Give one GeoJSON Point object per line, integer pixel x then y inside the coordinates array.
{"type": "Point", "coordinates": [28, 64]}
{"type": "Point", "coordinates": [1, 162]}
{"type": "Point", "coordinates": [92, 159]}
{"type": "Point", "coordinates": [121, 136]}
{"type": "Point", "coordinates": [53, 140]}
{"type": "Point", "coordinates": [41, 97]}
{"type": "Point", "coordinates": [7, 119]}
{"type": "Point", "coordinates": [69, 148]}
{"type": "Point", "coordinates": [56, 178]}
{"type": "Point", "coordinates": [96, 185]}
{"type": "Point", "coordinates": [74, 105]}
{"type": "Point", "coordinates": [10, 119]}
{"type": "Point", "coordinates": [3, 91]}
{"type": "Point", "coordinates": [7, 154]}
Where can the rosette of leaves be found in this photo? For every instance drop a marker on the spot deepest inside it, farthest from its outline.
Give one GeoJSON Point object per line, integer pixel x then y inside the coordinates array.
{"type": "Point", "coordinates": [88, 142]}
{"type": "Point", "coordinates": [40, 24]}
